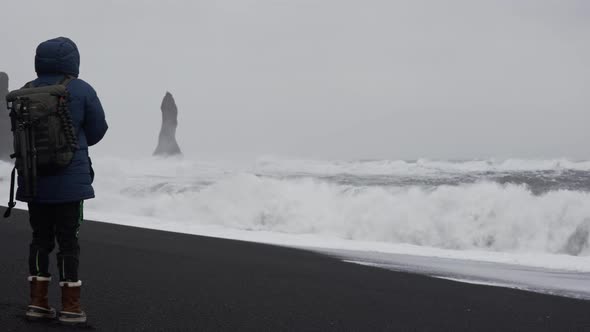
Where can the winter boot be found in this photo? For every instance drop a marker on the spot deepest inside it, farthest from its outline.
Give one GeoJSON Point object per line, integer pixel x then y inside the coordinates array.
{"type": "Point", "coordinates": [39, 307]}
{"type": "Point", "coordinates": [71, 312]}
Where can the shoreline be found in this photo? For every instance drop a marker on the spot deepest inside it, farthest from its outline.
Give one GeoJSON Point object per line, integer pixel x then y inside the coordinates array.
{"type": "Point", "coordinates": [139, 279]}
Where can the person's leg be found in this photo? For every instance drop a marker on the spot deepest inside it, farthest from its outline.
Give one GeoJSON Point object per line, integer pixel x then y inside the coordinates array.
{"type": "Point", "coordinates": [43, 242]}
{"type": "Point", "coordinates": [68, 219]}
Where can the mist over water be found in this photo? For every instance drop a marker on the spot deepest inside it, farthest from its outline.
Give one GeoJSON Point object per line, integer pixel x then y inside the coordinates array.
{"type": "Point", "coordinates": [512, 206]}
{"type": "Point", "coordinates": [327, 79]}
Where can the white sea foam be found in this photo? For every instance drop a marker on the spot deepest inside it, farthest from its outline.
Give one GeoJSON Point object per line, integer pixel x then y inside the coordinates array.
{"type": "Point", "coordinates": [479, 220]}
{"type": "Point", "coordinates": [483, 215]}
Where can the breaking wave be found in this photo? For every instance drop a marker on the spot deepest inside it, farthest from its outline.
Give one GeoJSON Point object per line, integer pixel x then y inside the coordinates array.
{"type": "Point", "coordinates": [479, 215]}
{"type": "Point", "coordinates": [487, 215]}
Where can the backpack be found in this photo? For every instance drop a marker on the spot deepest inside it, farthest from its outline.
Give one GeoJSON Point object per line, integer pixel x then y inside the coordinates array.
{"type": "Point", "coordinates": [44, 136]}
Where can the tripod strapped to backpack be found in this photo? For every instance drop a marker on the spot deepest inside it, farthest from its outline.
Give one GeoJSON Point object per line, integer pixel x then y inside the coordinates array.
{"type": "Point", "coordinates": [44, 136]}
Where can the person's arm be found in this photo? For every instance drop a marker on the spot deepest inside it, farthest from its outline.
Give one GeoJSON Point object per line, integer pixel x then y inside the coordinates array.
{"type": "Point", "coordinates": [95, 124]}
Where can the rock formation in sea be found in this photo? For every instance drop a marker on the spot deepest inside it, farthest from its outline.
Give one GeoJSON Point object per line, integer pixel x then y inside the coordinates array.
{"type": "Point", "coordinates": [5, 133]}
{"type": "Point", "coordinates": [167, 145]}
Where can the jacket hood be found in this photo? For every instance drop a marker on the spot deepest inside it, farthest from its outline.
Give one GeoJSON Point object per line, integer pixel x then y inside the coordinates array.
{"type": "Point", "coordinates": [57, 56]}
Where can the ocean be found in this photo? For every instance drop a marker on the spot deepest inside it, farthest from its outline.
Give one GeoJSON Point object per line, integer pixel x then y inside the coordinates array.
{"type": "Point", "coordinates": [528, 212]}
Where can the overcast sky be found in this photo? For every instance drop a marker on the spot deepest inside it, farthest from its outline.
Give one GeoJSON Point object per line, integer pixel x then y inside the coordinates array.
{"type": "Point", "coordinates": [327, 78]}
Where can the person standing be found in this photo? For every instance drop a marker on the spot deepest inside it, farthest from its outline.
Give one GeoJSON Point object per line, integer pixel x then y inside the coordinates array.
{"type": "Point", "coordinates": [57, 208]}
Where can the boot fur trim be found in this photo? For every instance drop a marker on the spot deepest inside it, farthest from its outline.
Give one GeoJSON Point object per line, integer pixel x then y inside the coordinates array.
{"type": "Point", "coordinates": [71, 284]}
{"type": "Point", "coordinates": [30, 278]}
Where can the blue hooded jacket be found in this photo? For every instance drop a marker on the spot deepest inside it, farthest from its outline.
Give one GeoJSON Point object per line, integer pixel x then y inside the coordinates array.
{"type": "Point", "coordinates": [55, 59]}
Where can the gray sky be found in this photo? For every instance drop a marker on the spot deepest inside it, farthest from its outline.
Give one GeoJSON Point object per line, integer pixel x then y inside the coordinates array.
{"type": "Point", "coordinates": [327, 78]}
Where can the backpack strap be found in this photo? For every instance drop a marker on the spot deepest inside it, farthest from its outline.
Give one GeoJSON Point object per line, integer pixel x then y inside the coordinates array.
{"type": "Point", "coordinates": [11, 203]}
{"type": "Point", "coordinates": [64, 81]}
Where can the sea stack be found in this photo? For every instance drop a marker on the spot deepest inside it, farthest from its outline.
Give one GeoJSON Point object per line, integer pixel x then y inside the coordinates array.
{"type": "Point", "coordinates": [167, 145]}
{"type": "Point", "coordinates": [5, 133]}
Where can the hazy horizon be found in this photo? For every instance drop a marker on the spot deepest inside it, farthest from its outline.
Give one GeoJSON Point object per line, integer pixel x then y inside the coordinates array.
{"type": "Point", "coordinates": [327, 79]}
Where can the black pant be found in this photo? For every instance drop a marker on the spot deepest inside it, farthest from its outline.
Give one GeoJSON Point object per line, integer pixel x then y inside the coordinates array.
{"type": "Point", "coordinates": [51, 222]}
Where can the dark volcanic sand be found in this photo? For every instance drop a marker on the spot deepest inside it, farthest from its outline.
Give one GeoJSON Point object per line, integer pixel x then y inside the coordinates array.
{"type": "Point", "coordinates": [146, 280]}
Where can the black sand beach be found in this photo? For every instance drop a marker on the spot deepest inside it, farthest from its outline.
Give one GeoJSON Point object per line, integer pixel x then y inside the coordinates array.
{"type": "Point", "coordinates": [146, 280]}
